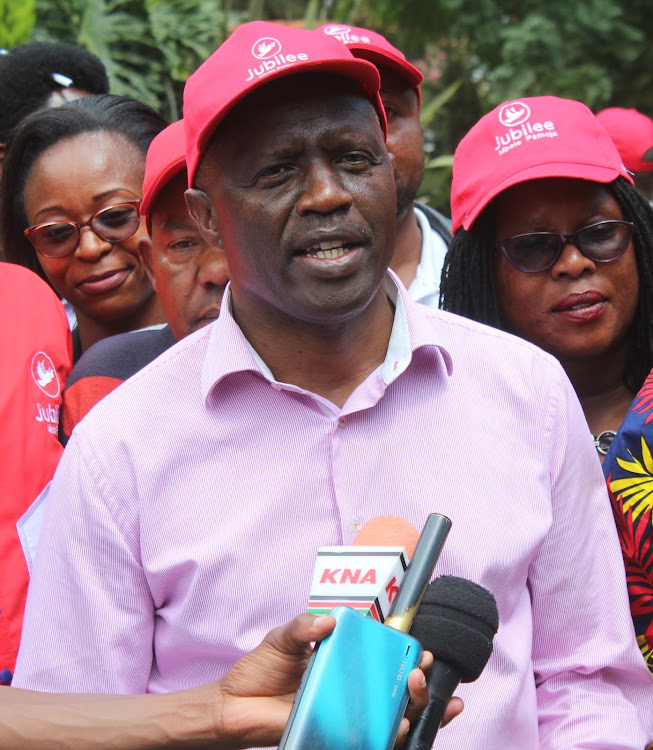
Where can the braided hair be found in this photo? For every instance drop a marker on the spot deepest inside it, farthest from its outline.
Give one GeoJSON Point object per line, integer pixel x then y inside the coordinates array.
{"type": "Point", "coordinates": [468, 288]}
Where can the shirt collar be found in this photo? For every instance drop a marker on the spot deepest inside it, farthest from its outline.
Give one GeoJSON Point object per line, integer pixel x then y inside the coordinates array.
{"type": "Point", "coordinates": [229, 351]}
{"type": "Point", "coordinates": [427, 275]}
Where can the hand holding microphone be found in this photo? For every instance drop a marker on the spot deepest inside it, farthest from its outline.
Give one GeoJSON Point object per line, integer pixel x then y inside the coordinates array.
{"type": "Point", "coordinates": [355, 689]}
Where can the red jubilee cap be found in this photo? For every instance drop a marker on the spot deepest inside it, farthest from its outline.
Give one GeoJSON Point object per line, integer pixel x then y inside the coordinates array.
{"type": "Point", "coordinates": [529, 139]}
{"type": "Point", "coordinates": [166, 158]}
{"type": "Point", "coordinates": [368, 45]}
{"type": "Point", "coordinates": [254, 54]}
{"type": "Point", "coordinates": [632, 133]}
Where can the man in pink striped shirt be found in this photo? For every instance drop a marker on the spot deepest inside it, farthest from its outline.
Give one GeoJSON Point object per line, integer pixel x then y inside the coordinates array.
{"type": "Point", "coordinates": [185, 516]}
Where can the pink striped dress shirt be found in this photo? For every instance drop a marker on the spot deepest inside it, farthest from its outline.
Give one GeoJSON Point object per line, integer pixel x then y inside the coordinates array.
{"type": "Point", "coordinates": [186, 513]}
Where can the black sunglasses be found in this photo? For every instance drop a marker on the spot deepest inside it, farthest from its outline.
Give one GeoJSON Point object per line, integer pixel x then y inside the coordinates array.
{"type": "Point", "coordinates": [56, 239]}
{"type": "Point", "coordinates": [539, 251]}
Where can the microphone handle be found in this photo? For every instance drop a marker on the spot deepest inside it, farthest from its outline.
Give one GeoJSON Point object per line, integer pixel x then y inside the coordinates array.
{"type": "Point", "coordinates": [442, 680]}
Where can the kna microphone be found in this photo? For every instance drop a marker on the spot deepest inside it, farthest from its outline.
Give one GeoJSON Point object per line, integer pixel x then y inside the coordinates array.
{"type": "Point", "coordinates": [366, 575]}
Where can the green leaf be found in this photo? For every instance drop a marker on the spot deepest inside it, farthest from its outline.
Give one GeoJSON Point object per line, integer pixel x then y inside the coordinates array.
{"type": "Point", "coordinates": [446, 160]}
{"type": "Point", "coordinates": [17, 19]}
{"type": "Point", "coordinates": [434, 105]}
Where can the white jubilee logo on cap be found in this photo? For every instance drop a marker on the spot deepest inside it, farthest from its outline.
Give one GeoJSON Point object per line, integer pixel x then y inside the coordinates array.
{"type": "Point", "coordinates": [335, 30]}
{"type": "Point", "coordinates": [514, 113]}
{"type": "Point", "coordinates": [343, 34]}
{"type": "Point", "coordinates": [266, 47]}
{"type": "Point", "coordinates": [268, 51]}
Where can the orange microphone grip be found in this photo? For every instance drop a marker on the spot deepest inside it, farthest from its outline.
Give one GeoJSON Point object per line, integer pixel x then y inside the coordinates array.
{"type": "Point", "coordinates": [388, 531]}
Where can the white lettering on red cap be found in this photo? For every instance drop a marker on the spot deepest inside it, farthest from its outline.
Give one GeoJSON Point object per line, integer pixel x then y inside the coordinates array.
{"type": "Point", "coordinates": [268, 51]}
{"type": "Point", "coordinates": [344, 34]}
{"type": "Point", "coordinates": [515, 114]}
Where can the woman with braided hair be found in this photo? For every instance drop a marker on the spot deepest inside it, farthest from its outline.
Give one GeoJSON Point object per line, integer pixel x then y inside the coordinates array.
{"type": "Point", "coordinates": [555, 244]}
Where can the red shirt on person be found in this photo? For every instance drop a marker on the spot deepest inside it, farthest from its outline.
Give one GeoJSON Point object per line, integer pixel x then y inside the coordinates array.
{"type": "Point", "coordinates": [35, 358]}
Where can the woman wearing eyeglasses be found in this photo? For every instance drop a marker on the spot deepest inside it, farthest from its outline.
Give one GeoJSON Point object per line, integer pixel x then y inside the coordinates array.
{"type": "Point", "coordinates": [71, 193]}
{"type": "Point", "coordinates": [554, 244]}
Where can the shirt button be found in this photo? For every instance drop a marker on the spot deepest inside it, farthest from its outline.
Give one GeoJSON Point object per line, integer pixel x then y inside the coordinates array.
{"type": "Point", "coordinates": [5, 677]}
{"type": "Point", "coordinates": [342, 422]}
{"type": "Point", "coordinates": [356, 525]}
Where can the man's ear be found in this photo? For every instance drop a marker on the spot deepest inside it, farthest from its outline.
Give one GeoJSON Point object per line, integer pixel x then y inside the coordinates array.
{"type": "Point", "coordinates": [145, 251]}
{"type": "Point", "coordinates": [201, 208]}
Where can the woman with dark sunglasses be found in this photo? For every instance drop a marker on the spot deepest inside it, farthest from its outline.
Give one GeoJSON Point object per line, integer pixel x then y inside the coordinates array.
{"type": "Point", "coordinates": [554, 244]}
{"type": "Point", "coordinates": [71, 193]}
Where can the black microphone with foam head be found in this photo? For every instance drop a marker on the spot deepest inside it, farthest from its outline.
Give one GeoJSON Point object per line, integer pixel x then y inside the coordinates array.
{"type": "Point", "coordinates": [456, 621]}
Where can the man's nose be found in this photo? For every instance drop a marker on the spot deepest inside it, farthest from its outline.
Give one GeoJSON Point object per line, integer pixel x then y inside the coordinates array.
{"type": "Point", "coordinates": [212, 267]}
{"type": "Point", "coordinates": [323, 191]}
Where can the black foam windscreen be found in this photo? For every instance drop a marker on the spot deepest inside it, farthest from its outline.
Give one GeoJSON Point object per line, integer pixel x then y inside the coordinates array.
{"type": "Point", "coordinates": [456, 621]}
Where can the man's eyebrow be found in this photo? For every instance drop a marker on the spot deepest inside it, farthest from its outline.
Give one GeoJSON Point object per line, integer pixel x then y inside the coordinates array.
{"type": "Point", "coordinates": [282, 151]}
{"type": "Point", "coordinates": [168, 225]}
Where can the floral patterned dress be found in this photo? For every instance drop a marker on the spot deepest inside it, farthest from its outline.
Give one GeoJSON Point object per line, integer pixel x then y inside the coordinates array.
{"type": "Point", "coordinates": [628, 470]}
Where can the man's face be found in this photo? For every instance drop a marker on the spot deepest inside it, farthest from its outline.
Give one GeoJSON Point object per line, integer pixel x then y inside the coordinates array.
{"type": "Point", "coordinates": [188, 274]}
{"type": "Point", "coordinates": [301, 195]}
{"type": "Point", "coordinates": [405, 137]}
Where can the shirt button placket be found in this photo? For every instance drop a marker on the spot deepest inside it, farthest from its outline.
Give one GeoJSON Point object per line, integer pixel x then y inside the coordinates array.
{"type": "Point", "coordinates": [346, 509]}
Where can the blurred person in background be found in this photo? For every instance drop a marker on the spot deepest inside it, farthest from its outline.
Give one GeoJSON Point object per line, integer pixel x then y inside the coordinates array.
{"type": "Point", "coordinates": [44, 74]}
{"type": "Point", "coordinates": [39, 75]}
{"type": "Point", "coordinates": [71, 191]}
{"type": "Point", "coordinates": [423, 234]}
{"type": "Point", "coordinates": [35, 360]}
{"type": "Point", "coordinates": [632, 133]}
{"type": "Point", "coordinates": [188, 274]}
{"type": "Point", "coordinates": [35, 336]}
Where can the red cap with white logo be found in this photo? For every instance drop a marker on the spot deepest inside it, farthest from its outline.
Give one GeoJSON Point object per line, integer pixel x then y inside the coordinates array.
{"type": "Point", "coordinates": [632, 133]}
{"type": "Point", "coordinates": [368, 45]}
{"type": "Point", "coordinates": [529, 139]}
{"type": "Point", "coordinates": [254, 54]}
{"type": "Point", "coordinates": [166, 158]}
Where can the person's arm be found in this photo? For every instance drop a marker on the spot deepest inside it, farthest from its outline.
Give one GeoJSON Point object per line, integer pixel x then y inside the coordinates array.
{"type": "Point", "coordinates": [593, 688]}
{"type": "Point", "coordinates": [248, 707]}
{"type": "Point", "coordinates": [88, 583]}
{"type": "Point", "coordinates": [56, 721]}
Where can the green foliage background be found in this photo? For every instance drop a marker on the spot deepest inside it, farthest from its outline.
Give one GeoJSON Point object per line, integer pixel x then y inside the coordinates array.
{"type": "Point", "coordinates": [474, 53]}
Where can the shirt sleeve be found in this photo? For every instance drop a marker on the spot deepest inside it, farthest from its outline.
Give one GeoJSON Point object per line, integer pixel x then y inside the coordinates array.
{"type": "Point", "coordinates": [593, 687]}
{"type": "Point", "coordinates": [89, 617]}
